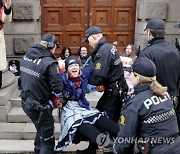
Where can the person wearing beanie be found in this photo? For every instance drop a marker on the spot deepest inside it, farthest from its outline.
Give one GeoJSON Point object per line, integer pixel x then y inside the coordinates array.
{"type": "Point", "coordinates": [148, 120]}
{"type": "Point", "coordinates": [77, 118]}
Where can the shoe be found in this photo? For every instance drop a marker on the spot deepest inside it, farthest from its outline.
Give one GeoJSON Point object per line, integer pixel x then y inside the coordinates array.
{"type": "Point", "coordinates": [36, 151]}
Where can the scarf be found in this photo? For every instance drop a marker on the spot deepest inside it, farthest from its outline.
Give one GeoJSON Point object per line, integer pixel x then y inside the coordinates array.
{"type": "Point", "coordinates": [1, 12]}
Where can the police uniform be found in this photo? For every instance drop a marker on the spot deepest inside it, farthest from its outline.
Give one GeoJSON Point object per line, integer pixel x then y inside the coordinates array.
{"type": "Point", "coordinates": [166, 59]}
{"type": "Point", "coordinates": [148, 122]}
{"type": "Point", "coordinates": [39, 79]}
{"type": "Point", "coordinates": [148, 116]}
{"type": "Point", "coordinates": [108, 71]}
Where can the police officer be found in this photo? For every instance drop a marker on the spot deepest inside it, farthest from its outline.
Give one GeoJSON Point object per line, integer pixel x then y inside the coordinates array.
{"type": "Point", "coordinates": [108, 71]}
{"type": "Point", "coordinates": [177, 25]}
{"type": "Point", "coordinates": [148, 122]}
{"type": "Point", "coordinates": [39, 80]}
{"type": "Point", "coordinates": [164, 55]}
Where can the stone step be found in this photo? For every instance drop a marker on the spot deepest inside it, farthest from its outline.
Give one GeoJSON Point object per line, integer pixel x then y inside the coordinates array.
{"type": "Point", "coordinates": [15, 98]}
{"type": "Point", "coordinates": [92, 97]}
{"type": "Point", "coordinates": [17, 115]}
{"type": "Point", "coordinates": [17, 135]}
{"type": "Point", "coordinates": [27, 146]}
{"type": "Point", "coordinates": [21, 131]}
{"type": "Point", "coordinates": [5, 104]}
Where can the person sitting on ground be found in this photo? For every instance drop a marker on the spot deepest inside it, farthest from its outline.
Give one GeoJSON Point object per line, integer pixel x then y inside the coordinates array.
{"type": "Point", "coordinates": [77, 117]}
{"type": "Point", "coordinates": [148, 120]}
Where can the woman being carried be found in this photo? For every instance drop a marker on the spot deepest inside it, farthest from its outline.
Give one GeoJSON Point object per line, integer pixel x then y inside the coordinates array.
{"type": "Point", "coordinates": [77, 117]}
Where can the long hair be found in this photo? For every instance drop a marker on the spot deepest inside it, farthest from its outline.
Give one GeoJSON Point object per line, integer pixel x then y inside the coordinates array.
{"type": "Point", "coordinates": [132, 55]}
{"type": "Point", "coordinates": [155, 86]}
{"type": "Point", "coordinates": [63, 52]}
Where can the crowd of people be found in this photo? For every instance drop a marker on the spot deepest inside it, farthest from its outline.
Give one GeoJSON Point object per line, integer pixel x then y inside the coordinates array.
{"type": "Point", "coordinates": [139, 100]}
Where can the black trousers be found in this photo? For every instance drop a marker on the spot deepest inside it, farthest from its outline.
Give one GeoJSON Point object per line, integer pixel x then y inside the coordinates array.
{"type": "Point", "coordinates": [44, 141]}
{"type": "Point", "coordinates": [111, 104]}
{"type": "Point", "coordinates": [0, 79]}
{"type": "Point", "coordinates": [102, 125]}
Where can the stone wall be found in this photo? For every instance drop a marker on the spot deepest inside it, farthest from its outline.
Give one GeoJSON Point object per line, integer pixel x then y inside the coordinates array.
{"type": "Point", "coordinates": [25, 29]}
{"type": "Point", "coordinates": [165, 9]}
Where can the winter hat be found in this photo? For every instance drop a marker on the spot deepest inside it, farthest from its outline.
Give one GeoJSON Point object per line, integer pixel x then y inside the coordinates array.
{"type": "Point", "coordinates": [144, 67]}
{"type": "Point", "coordinates": [71, 60]}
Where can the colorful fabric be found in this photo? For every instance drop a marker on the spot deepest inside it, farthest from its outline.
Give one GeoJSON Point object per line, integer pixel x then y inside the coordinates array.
{"type": "Point", "coordinates": [74, 89]}
{"type": "Point", "coordinates": [72, 116]}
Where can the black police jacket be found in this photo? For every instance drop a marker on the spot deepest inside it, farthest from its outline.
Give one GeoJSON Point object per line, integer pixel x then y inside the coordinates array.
{"type": "Point", "coordinates": [167, 61]}
{"type": "Point", "coordinates": [107, 66]}
{"type": "Point", "coordinates": [146, 116]}
{"type": "Point", "coordinates": [40, 74]}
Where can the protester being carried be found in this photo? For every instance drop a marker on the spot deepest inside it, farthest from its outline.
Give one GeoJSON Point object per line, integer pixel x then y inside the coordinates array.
{"type": "Point", "coordinates": [77, 117]}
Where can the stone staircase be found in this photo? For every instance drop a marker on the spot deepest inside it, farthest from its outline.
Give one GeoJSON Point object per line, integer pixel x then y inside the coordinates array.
{"type": "Point", "coordinates": [17, 134]}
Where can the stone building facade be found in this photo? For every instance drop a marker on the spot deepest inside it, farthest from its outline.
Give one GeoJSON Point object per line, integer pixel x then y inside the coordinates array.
{"type": "Point", "coordinates": [25, 29]}
{"type": "Point", "coordinates": [165, 9]}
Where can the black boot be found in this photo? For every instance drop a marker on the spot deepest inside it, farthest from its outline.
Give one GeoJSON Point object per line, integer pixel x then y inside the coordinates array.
{"type": "Point", "coordinates": [36, 151]}
{"type": "Point", "coordinates": [90, 150]}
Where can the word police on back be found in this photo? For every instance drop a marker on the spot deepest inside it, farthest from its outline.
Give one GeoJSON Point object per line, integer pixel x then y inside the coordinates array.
{"type": "Point", "coordinates": [155, 100]}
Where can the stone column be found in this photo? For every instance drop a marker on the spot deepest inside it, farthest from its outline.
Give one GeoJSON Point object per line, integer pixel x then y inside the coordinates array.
{"type": "Point", "coordinates": [8, 87]}
{"type": "Point", "coordinates": [8, 78]}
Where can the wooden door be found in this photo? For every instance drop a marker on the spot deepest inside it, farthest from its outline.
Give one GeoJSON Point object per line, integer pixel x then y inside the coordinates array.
{"type": "Point", "coordinates": [68, 19]}
{"type": "Point", "coordinates": [116, 18]}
